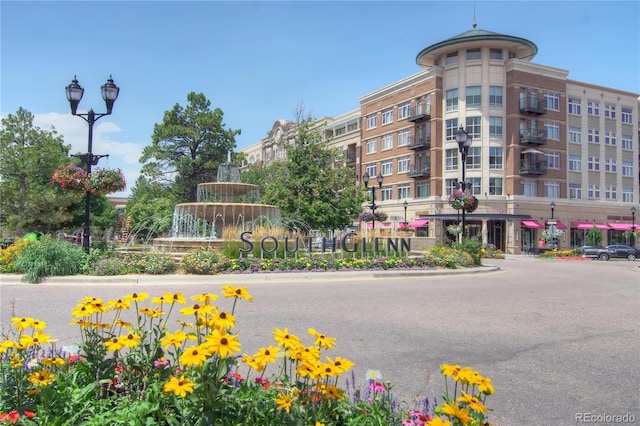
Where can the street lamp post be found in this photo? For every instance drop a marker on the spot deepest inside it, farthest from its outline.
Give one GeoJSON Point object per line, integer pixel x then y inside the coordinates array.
{"type": "Point", "coordinates": [552, 226]}
{"type": "Point", "coordinates": [633, 224]}
{"type": "Point", "coordinates": [74, 94]}
{"type": "Point", "coordinates": [405, 205]}
{"type": "Point", "coordinates": [553, 207]}
{"type": "Point", "coordinates": [373, 206]}
{"type": "Point", "coordinates": [464, 142]}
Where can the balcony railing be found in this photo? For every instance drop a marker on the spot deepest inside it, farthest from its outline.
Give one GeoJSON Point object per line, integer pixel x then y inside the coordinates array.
{"type": "Point", "coordinates": [533, 138]}
{"type": "Point", "coordinates": [419, 114]}
{"type": "Point", "coordinates": [533, 167]}
{"type": "Point", "coordinates": [423, 142]}
{"type": "Point", "coordinates": [532, 105]}
{"type": "Point", "coordinates": [350, 160]}
{"type": "Point", "coordinates": [419, 172]}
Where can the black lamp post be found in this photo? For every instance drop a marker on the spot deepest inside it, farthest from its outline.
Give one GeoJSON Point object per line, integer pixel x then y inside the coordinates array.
{"type": "Point", "coordinates": [552, 225]}
{"type": "Point", "coordinates": [373, 206]}
{"type": "Point", "coordinates": [633, 219]}
{"type": "Point", "coordinates": [464, 142]}
{"type": "Point", "coordinates": [405, 205]}
{"type": "Point", "coordinates": [553, 207]}
{"type": "Point", "coordinates": [74, 95]}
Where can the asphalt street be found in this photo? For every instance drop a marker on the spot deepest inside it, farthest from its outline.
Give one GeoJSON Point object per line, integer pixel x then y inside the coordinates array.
{"type": "Point", "coordinates": [559, 339]}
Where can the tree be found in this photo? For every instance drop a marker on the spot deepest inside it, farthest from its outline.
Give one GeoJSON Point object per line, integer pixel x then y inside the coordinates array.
{"type": "Point", "coordinates": [28, 157]}
{"type": "Point", "coordinates": [593, 236]}
{"type": "Point", "coordinates": [188, 147]}
{"type": "Point", "coordinates": [312, 185]}
{"type": "Point", "coordinates": [151, 206]}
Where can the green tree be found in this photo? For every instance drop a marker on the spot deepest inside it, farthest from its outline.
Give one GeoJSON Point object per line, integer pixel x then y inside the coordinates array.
{"type": "Point", "coordinates": [593, 237]}
{"type": "Point", "coordinates": [313, 185]}
{"type": "Point", "coordinates": [188, 146]}
{"type": "Point", "coordinates": [28, 158]}
{"type": "Point", "coordinates": [150, 207]}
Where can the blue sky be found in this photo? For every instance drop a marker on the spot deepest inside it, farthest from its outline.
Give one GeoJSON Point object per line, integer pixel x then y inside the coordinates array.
{"type": "Point", "coordinates": [258, 60]}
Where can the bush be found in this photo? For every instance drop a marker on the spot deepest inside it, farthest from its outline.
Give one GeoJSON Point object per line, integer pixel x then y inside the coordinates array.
{"type": "Point", "coordinates": [473, 247]}
{"type": "Point", "coordinates": [111, 265]}
{"type": "Point", "coordinates": [151, 262]}
{"type": "Point", "coordinates": [449, 257]}
{"type": "Point", "coordinates": [201, 261]}
{"type": "Point", "coordinates": [9, 255]}
{"type": "Point", "coordinates": [50, 257]}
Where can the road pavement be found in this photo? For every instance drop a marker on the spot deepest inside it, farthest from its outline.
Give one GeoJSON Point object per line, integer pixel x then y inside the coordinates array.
{"type": "Point", "coordinates": [559, 339]}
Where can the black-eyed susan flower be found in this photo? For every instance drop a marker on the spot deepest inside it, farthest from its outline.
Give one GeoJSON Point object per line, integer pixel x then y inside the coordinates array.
{"type": "Point", "coordinates": [41, 378]}
{"type": "Point", "coordinates": [342, 364]}
{"type": "Point", "coordinates": [119, 304]}
{"type": "Point", "coordinates": [252, 363]}
{"type": "Point", "coordinates": [177, 297]}
{"type": "Point", "coordinates": [284, 339]}
{"type": "Point", "coordinates": [284, 401]}
{"type": "Point", "coordinates": [196, 310]}
{"type": "Point", "coordinates": [222, 320]}
{"type": "Point", "coordinates": [237, 292]}
{"type": "Point", "coordinates": [321, 340]}
{"type": "Point", "coordinates": [485, 386]}
{"type": "Point", "coordinates": [222, 343]}
{"type": "Point", "coordinates": [179, 386]}
{"type": "Point", "coordinates": [194, 356]}
{"type": "Point", "coordinates": [38, 338]}
{"type": "Point", "coordinates": [437, 421]}
{"type": "Point", "coordinates": [114, 344]}
{"type": "Point", "coordinates": [174, 339]}
{"type": "Point", "coordinates": [332, 392]}
{"type": "Point", "coordinates": [266, 355]}
{"type": "Point", "coordinates": [453, 410]}
{"type": "Point", "coordinates": [137, 297]}
{"type": "Point", "coordinates": [205, 298]}
{"type": "Point", "coordinates": [131, 339]}
{"type": "Point", "coordinates": [21, 323]}
{"type": "Point", "coordinates": [472, 402]}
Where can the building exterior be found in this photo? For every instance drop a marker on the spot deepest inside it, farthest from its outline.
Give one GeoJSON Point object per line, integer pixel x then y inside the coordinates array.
{"type": "Point", "coordinates": [546, 151]}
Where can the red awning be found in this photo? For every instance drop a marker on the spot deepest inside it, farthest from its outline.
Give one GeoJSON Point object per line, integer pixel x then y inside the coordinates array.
{"type": "Point", "coordinates": [559, 224]}
{"type": "Point", "coordinates": [530, 223]}
{"type": "Point", "coordinates": [620, 226]}
{"type": "Point", "coordinates": [381, 225]}
{"type": "Point", "coordinates": [588, 225]}
{"type": "Point", "coordinates": [419, 223]}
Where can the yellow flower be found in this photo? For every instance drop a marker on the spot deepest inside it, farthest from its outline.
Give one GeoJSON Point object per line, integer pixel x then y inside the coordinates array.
{"type": "Point", "coordinates": [151, 313]}
{"type": "Point", "coordinates": [333, 392]}
{"type": "Point", "coordinates": [266, 355]}
{"type": "Point", "coordinates": [472, 402]}
{"type": "Point", "coordinates": [37, 324]}
{"type": "Point", "coordinates": [222, 320]}
{"type": "Point", "coordinates": [194, 356]}
{"type": "Point", "coordinates": [238, 292]}
{"type": "Point", "coordinates": [284, 339]}
{"type": "Point", "coordinates": [284, 401]}
{"type": "Point", "coordinates": [222, 343]}
{"type": "Point", "coordinates": [121, 323]}
{"type": "Point", "coordinates": [342, 364]}
{"type": "Point", "coordinates": [196, 310]}
{"type": "Point", "coordinates": [485, 386]}
{"type": "Point", "coordinates": [137, 297]}
{"type": "Point", "coordinates": [462, 414]}
{"type": "Point", "coordinates": [82, 311]}
{"type": "Point", "coordinates": [130, 340]}
{"type": "Point", "coordinates": [322, 340]}
{"type": "Point", "coordinates": [114, 344]}
{"type": "Point", "coordinates": [449, 370]}
{"type": "Point", "coordinates": [326, 370]}
{"type": "Point", "coordinates": [437, 421]}
{"type": "Point", "coordinates": [205, 298]}
{"type": "Point", "coordinates": [15, 361]}
{"type": "Point", "coordinates": [37, 339]}
{"type": "Point", "coordinates": [179, 386]}
{"type": "Point", "coordinates": [7, 344]}
{"type": "Point", "coordinates": [58, 362]}
{"type": "Point", "coordinates": [41, 378]}
{"type": "Point", "coordinates": [174, 339]}
{"type": "Point", "coordinates": [175, 297]}
{"type": "Point", "coordinates": [120, 304]}
{"type": "Point", "coordinates": [21, 323]}
{"type": "Point", "coordinates": [252, 363]}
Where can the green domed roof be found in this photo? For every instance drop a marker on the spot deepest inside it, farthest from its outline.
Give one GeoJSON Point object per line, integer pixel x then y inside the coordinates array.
{"type": "Point", "coordinates": [523, 48]}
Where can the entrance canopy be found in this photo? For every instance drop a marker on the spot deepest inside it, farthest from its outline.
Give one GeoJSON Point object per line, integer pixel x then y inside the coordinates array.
{"type": "Point", "coordinates": [381, 225]}
{"type": "Point", "coordinates": [559, 224]}
{"type": "Point", "coordinates": [588, 225]}
{"type": "Point", "coordinates": [419, 223]}
{"type": "Point", "coordinates": [533, 224]}
{"type": "Point", "coordinates": [621, 226]}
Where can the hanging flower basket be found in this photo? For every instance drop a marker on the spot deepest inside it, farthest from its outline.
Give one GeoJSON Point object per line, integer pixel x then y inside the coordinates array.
{"type": "Point", "coordinates": [460, 199]}
{"type": "Point", "coordinates": [70, 178]}
{"type": "Point", "coordinates": [107, 181]}
{"type": "Point", "coordinates": [370, 217]}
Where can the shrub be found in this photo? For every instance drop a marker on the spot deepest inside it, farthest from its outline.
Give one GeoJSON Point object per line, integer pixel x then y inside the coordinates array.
{"type": "Point", "coordinates": [111, 265]}
{"type": "Point", "coordinates": [151, 262]}
{"type": "Point", "coordinates": [202, 261]}
{"type": "Point", "coordinates": [50, 257]}
{"type": "Point", "coordinates": [9, 255]}
{"type": "Point", "coordinates": [473, 247]}
{"type": "Point", "coordinates": [449, 257]}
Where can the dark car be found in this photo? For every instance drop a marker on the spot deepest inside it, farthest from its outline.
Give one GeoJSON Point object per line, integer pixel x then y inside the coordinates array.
{"type": "Point", "coordinates": [611, 251]}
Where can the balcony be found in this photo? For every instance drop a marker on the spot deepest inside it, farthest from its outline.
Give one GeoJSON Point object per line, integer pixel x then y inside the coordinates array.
{"type": "Point", "coordinates": [350, 160]}
{"type": "Point", "coordinates": [423, 142]}
{"type": "Point", "coordinates": [419, 114]}
{"type": "Point", "coordinates": [535, 168]}
{"type": "Point", "coordinates": [419, 172]}
{"type": "Point", "coordinates": [532, 105]}
{"type": "Point", "coordinates": [533, 138]}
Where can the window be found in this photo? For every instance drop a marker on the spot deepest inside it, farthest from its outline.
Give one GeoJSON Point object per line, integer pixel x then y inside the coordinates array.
{"type": "Point", "coordinates": [473, 127]}
{"type": "Point", "coordinates": [452, 58]}
{"type": "Point", "coordinates": [404, 191]}
{"type": "Point", "coordinates": [474, 185]}
{"type": "Point", "coordinates": [403, 137]}
{"type": "Point", "coordinates": [528, 187]}
{"type": "Point", "coordinates": [593, 108]}
{"type": "Point", "coordinates": [371, 170]}
{"type": "Point", "coordinates": [575, 136]}
{"type": "Point", "coordinates": [353, 125]}
{"type": "Point", "coordinates": [610, 192]}
{"type": "Point", "coordinates": [552, 159]}
{"type": "Point", "coordinates": [551, 188]}
{"type": "Point", "coordinates": [451, 159]}
{"type": "Point", "coordinates": [627, 168]}
{"type": "Point", "coordinates": [404, 110]}
{"type": "Point", "coordinates": [371, 146]}
{"type": "Point", "coordinates": [574, 106]}
{"type": "Point", "coordinates": [387, 142]}
{"type": "Point", "coordinates": [474, 158]}
{"type": "Point", "coordinates": [372, 121]}
{"type": "Point", "coordinates": [495, 97]}
{"type": "Point", "coordinates": [386, 168]}
{"type": "Point", "coordinates": [610, 111]}
{"type": "Point", "coordinates": [495, 158]}
{"type": "Point", "coordinates": [593, 164]}
{"type": "Point", "coordinates": [387, 116]}
{"type": "Point", "coordinates": [451, 127]}
{"type": "Point", "coordinates": [575, 163]}
{"type": "Point", "coordinates": [627, 195]}
{"type": "Point", "coordinates": [627, 115]}
{"type": "Point", "coordinates": [610, 138]}
{"type": "Point", "coordinates": [423, 189]}
{"type": "Point", "coordinates": [495, 127]}
{"type": "Point", "coordinates": [495, 54]}
{"type": "Point", "coordinates": [594, 191]}
{"type": "Point", "coordinates": [552, 101]}
{"type": "Point", "coordinates": [452, 100]}
{"type": "Point", "coordinates": [495, 186]}
{"type": "Point", "coordinates": [473, 54]}
{"type": "Point", "coordinates": [403, 165]}
{"type": "Point", "coordinates": [610, 165]}
{"type": "Point", "coordinates": [575, 191]}
{"type": "Point", "coordinates": [552, 130]}
{"type": "Point", "coordinates": [593, 136]}
{"type": "Point", "coordinates": [386, 192]}
{"type": "Point", "coordinates": [474, 98]}
{"type": "Point", "coordinates": [450, 185]}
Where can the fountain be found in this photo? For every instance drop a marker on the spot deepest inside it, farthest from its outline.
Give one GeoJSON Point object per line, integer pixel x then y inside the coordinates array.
{"type": "Point", "coordinates": [225, 204]}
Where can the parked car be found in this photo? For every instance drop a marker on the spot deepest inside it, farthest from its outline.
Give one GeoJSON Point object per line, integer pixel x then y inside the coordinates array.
{"type": "Point", "coordinates": [611, 251]}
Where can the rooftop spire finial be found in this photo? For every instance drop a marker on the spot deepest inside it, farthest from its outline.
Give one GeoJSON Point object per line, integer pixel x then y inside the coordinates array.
{"type": "Point", "coordinates": [475, 24]}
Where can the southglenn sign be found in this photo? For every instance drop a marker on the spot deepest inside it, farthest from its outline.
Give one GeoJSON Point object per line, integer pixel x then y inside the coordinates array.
{"type": "Point", "coordinates": [349, 244]}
